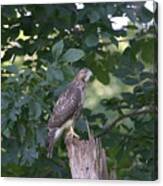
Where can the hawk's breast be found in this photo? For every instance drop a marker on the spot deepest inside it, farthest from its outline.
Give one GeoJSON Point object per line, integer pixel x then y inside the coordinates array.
{"type": "Point", "coordinates": [67, 104]}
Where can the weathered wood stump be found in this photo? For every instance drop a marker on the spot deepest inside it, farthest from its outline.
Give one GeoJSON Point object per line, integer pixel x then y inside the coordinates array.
{"type": "Point", "coordinates": [87, 159]}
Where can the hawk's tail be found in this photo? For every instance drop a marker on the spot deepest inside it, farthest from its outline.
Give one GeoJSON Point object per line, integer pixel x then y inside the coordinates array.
{"type": "Point", "coordinates": [51, 141]}
{"type": "Point", "coordinates": [53, 136]}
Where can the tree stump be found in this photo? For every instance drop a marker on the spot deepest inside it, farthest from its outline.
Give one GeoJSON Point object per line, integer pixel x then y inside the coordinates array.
{"type": "Point", "coordinates": [87, 159]}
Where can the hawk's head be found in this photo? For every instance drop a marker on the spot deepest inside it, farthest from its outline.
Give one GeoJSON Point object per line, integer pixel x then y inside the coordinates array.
{"type": "Point", "coordinates": [84, 75]}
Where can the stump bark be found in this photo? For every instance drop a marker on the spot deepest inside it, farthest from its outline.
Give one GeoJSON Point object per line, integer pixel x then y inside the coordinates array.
{"type": "Point", "coordinates": [87, 159]}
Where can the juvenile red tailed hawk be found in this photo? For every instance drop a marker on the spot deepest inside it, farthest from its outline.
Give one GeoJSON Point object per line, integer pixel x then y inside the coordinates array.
{"type": "Point", "coordinates": [67, 109]}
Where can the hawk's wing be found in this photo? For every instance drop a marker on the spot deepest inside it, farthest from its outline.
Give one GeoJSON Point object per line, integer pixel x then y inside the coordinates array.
{"type": "Point", "coordinates": [65, 107]}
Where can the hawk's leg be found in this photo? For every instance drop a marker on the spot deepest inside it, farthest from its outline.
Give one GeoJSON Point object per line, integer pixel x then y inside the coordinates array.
{"type": "Point", "coordinates": [71, 133]}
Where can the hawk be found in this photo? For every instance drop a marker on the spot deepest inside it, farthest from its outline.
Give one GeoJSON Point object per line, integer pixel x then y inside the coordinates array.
{"type": "Point", "coordinates": [67, 109]}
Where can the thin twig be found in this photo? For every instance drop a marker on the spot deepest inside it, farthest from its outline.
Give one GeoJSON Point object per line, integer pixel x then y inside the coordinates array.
{"type": "Point", "coordinates": [88, 129]}
{"type": "Point", "coordinates": [107, 128]}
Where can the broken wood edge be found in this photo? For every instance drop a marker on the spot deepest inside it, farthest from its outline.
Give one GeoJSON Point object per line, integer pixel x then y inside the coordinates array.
{"type": "Point", "coordinates": [87, 158]}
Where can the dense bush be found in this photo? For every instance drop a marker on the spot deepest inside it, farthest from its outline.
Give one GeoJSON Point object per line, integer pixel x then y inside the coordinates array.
{"type": "Point", "coordinates": [43, 46]}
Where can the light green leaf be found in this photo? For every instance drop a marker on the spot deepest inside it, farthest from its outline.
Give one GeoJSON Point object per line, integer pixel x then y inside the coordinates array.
{"type": "Point", "coordinates": [73, 55]}
{"type": "Point", "coordinates": [57, 49]}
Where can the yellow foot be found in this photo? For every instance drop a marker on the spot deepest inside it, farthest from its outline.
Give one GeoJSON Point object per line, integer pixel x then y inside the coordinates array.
{"type": "Point", "coordinates": [75, 135]}
{"type": "Point", "coordinates": [71, 133]}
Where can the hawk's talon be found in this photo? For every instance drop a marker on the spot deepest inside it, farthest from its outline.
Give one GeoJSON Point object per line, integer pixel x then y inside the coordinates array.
{"type": "Point", "coordinates": [71, 133]}
{"type": "Point", "coordinates": [76, 135]}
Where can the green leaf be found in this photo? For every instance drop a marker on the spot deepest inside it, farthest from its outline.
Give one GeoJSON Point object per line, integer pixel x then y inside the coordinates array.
{"type": "Point", "coordinates": [29, 155]}
{"type": "Point", "coordinates": [138, 89]}
{"type": "Point", "coordinates": [81, 125]}
{"type": "Point", "coordinates": [110, 9]}
{"type": "Point", "coordinates": [14, 113]}
{"type": "Point", "coordinates": [145, 15]}
{"type": "Point", "coordinates": [4, 102]}
{"type": "Point", "coordinates": [105, 36]}
{"type": "Point", "coordinates": [103, 76]}
{"type": "Point", "coordinates": [49, 74]}
{"type": "Point", "coordinates": [130, 80]}
{"type": "Point", "coordinates": [58, 74]}
{"type": "Point", "coordinates": [148, 51]}
{"type": "Point", "coordinates": [12, 69]}
{"type": "Point", "coordinates": [146, 48]}
{"type": "Point", "coordinates": [57, 49]}
{"type": "Point", "coordinates": [73, 55]}
{"type": "Point", "coordinates": [11, 154]}
{"type": "Point", "coordinates": [131, 14]}
{"type": "Point", "coordinates": [41, 134]}
{"type": "Point", "coordinates": [146, 75]}
{"type": "Point", "coordinates": [35, 110]}
{"type": "Point", "coordinates": [6, 132]}
{"type": "Point", "coordinates": [93, 16]}
{"type": "Point", "coordinates": [54, 74]}
{"type": "Point", "coordinates": [148, 86]}
{"type": "Point", "coordinates": [22, 132]}
{"type": "Point", "coordinates": [128, 97]}
{"type": "Point", "coordinates": [91, 40]}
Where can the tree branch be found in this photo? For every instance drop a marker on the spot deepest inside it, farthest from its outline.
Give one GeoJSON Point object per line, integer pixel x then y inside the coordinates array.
{"type": "Point", "coordinates": [107, 128]}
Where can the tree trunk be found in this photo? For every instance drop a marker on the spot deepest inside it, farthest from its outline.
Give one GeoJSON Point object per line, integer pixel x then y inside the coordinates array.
{"type": "Point", "coordinates": [87, 159]}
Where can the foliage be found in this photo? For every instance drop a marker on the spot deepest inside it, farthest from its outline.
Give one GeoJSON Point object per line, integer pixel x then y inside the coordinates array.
{"type": "Point", "coordinates": [43, 46]}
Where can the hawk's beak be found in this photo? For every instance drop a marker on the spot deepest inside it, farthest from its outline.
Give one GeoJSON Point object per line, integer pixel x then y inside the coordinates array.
{"type": "Point", "coordinates": [90, 74]}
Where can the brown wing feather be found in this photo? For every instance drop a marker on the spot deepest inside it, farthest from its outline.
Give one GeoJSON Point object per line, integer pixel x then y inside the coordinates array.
{"type": "Point", "coordinates": [65, 107]}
